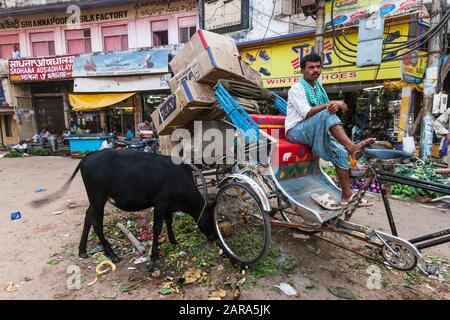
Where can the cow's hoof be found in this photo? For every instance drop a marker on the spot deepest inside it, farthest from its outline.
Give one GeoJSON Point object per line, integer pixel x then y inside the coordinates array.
{"type": "Point", "coordinates": [152, 266]}
{"type": "Point", "coordinates": [83, 255]}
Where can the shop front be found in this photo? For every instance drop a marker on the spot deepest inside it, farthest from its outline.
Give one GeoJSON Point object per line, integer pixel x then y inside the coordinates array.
{"type": "Point", "coordinates": [40, 90]}
{"type": "Point", "coordinates": [117, 91]}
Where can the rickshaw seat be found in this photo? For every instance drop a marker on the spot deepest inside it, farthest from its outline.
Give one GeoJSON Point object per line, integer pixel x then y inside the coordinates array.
{"type": "Point", "coordinates": [386, 154]}
{"type": "Point", "coordinates": [288, 152]}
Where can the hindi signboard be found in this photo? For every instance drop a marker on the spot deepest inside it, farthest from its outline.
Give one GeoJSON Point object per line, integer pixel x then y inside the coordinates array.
{"type": "Point", "coordinates": [41, 69]}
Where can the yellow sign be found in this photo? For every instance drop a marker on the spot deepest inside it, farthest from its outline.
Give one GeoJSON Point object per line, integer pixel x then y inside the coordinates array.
{"type": "Point", "coordinates": [279, 64]}
{"type": "Point", "coordinates": [413, 66]}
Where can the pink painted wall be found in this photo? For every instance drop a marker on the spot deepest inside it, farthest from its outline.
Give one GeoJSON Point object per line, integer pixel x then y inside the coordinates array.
{"type": "Point", "coordinates": [139, 34]}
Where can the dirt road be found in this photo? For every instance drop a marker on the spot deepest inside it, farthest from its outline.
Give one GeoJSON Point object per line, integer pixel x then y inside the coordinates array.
{"type": "Point", "coordinates": [37, 250]}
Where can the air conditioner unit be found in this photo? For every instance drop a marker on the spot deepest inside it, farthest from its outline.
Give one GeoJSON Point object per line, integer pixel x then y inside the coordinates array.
{"type": "Point", "coordinates": [308, 7]}
{"type": "Point", "coordinates": [283, 8]}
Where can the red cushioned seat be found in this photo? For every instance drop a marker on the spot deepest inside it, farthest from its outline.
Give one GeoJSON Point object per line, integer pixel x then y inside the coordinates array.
{"type": "Point", "coordinates": [287, 152]}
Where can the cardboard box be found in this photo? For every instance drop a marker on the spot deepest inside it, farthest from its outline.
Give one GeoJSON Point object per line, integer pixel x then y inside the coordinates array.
{"type": "Point", "coordinates": [169, 115]}
{"type": "Point", "coordinates": [191, 93]}
{"type": "Point", "coordinates": [208, 67]}
{"type": "Point", "coordinates": [202, 41]}
{"type": "Point", "coordinates": [166, 144]}
{"type": "Point", "coordinates": [250, 75]}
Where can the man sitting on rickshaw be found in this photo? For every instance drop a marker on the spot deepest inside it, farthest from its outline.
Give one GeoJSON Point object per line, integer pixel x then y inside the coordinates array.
{"type": "Point", "coordinates": [311, 119]}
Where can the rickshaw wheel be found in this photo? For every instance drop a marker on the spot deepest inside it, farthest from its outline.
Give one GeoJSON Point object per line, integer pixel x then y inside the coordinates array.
{"type": "Point", "coordinates": [405, 262]}
{"type": "Point", "coordinates": [242, 226]}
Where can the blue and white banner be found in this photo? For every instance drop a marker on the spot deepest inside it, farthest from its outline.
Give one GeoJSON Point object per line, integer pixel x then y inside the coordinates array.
{"type": "Point", "coordinates": [121, 63]}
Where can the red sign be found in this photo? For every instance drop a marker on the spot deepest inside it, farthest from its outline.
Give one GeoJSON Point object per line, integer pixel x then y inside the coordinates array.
{"type": "Point", "coordinates": [41, 69]}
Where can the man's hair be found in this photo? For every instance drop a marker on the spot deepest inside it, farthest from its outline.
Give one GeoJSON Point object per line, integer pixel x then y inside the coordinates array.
{"type": "Point", "coordinates": [313, 57]}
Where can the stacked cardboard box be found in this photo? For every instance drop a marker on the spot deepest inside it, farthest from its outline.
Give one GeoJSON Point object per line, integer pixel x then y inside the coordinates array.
{"type": "Point", "coordinates": [205, 59]}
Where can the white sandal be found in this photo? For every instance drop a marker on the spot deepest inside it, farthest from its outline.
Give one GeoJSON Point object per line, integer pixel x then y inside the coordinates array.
{"type": "Point", "coordinates": [326, 202]}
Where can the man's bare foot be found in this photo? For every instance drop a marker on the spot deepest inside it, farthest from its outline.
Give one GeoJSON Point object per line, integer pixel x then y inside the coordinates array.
{"type": "Point", "coordinates": [356, 150]}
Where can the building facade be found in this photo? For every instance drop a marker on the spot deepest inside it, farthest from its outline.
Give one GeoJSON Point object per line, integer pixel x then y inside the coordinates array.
{"type": "Point", "coordinates": [42, 40]}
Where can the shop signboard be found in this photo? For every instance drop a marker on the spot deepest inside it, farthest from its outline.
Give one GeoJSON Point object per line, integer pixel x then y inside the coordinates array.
{"type": "Point", "coordinates": [413, 66]}
{"type": "Point", "coordinates": [347, 13]}
{"type": "Point", "coordinates": [122, 63]}
{"type": "Point", "coordinates": [279, 64]}
{"type": "Point", "coordinates": [41, 69]}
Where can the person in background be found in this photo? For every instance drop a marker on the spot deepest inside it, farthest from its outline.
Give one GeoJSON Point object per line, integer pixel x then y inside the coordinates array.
{"type": "Point", "coordinates": [128, 134]}
{"type": "Point", "coordinates": [106, 144]}
{"type": "Point", "coordinates": [43, 135]}
{"type": "Point", "coordinates": [441, 126]}
{"type": "Point", "coordinates": [16, 53]}
{"type": "Point", "coordinates": [65, 135]}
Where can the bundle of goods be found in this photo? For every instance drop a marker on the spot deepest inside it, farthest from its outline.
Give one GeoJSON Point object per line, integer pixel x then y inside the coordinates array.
{"type": "Point", "coordinates": [205, 59]}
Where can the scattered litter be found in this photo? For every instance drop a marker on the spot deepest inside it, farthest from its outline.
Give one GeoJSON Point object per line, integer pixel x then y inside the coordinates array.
{"type": "Point", "coordinates": [10, 287]}
{"type": "Point", "coordinates": [287, 289]}
{"type": "Point", "coordinates": [220, 267]}
{"type": "Point", "coordinates": [129, 224]}
{"type": "Point", "coordinates": [156, 273]}
{"type": "Point", "coordinates": [313, 249]}
{"type": "Point", "coordinates": [217, 295]}
{"type": "Point", "coordinates": [242, 281]}
{"type": "Point", "coordinates": [127, 287]}
{"type": "Point", "coordinates": [300, 236]}
{"type": "Point", "coordinates": [40, 190]}
{"type": "Point", "coordinates": [165, 291]}
{"type": "Point", "coordinates": [140, 260]}
{"type": "Point", "coordinates": [425, 206]}
{"type": "Point", "coordinates": [16, 215]}
{"type": "Point", "coordinates": [96, 249]}
{"type": "Point", "coordinates": [66, 235]}
{"type": "Point", "coordinates": [58, 212]}
{"type": "Point", "coordinates": [179, 214]}
{"type": "Point", "coordinates": [53, 261]}
{"type": "Point", "coordinates": [71, 204]}
{"type": "Point", "coordinates": [220, 252]}
{"type": "Point", "coordinates": [192, 275]}
{"type": "Point", "coordinates": [27, 279]}
{"type": "Point", "coordinates": [131, 268]}
{"type": "Point", "coordinates": [111, 295]}
{"type": "Point", "coordinates": [341, 292]}
{"type": "Point", "coordinates": [99, 271]}
{"type": "Point", "coordinates": [136, 243]}
{"type": "Point", "coordinates": [168, 287]}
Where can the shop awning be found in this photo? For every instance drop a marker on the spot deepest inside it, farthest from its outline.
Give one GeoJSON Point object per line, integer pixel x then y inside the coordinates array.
{"type": "Point", "coordinates": [7, 110]}
{"type": "Point", "coordinates": [84, 102]}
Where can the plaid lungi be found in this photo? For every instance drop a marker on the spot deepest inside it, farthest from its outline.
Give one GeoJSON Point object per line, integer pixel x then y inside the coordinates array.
{"type": "Point", "coordinates": [315, 132]}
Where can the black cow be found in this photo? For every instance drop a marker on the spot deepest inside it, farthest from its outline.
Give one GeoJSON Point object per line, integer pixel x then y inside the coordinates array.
{"type": "Point", "coordinates": [134, 181]}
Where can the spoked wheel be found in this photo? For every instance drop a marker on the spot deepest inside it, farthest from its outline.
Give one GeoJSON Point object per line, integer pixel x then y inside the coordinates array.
{"type": "Point", "coordinates": [404, 259]}
{"type": "Point", "coordinates": [241, 224]}
{"type": "Point", "coordinates": [200, 181]}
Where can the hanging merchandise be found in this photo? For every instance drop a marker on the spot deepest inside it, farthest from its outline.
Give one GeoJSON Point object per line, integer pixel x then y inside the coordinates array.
{"type": "Point", "coordinates": [374, 115]}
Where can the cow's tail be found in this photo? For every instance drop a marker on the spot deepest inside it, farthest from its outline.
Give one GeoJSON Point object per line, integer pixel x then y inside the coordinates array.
{"type": "Point", "coordinates": [41, 202]}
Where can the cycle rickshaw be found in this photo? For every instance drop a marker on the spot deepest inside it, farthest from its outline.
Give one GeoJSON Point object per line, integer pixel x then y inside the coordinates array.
{"type": "Point", "coordinates": [253, 196]}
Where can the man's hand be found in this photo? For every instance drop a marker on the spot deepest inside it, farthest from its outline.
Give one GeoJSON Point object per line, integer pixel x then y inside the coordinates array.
{"type": "Point", "coordinates": [333, 108]}
{"type": "Point", "coordinates": [341, 105]}
{"type": "Point", "coordinates": [448, 137]}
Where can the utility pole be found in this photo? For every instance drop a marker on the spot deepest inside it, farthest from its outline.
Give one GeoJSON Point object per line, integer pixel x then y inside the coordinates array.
{"type": "Point", "coordinates": [430, 82]}
{"type": "Point", "coordinates": [320, 27]}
